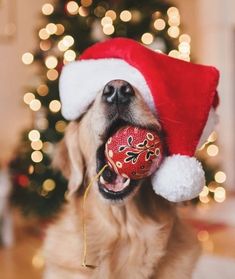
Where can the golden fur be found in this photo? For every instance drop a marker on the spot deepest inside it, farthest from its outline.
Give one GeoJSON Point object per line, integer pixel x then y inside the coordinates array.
{"type": "Point", "coordinates": [142, 238]}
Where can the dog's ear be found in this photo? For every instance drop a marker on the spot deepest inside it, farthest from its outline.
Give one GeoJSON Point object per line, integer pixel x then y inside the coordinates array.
{"type": "Point", "coordinates": [68, 158]}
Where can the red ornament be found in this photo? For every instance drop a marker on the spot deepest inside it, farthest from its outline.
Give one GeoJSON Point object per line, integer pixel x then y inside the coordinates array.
{"type": "Point", "coordinates": [134, 152]}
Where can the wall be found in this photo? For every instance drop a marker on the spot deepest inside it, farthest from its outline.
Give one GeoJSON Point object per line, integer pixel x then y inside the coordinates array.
{"type": "Point", "coordinates": [14, 76]}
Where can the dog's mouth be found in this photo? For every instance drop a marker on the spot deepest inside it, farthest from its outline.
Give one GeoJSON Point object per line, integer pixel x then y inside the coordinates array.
{"type": "Point", "coordinates": [113, 186]}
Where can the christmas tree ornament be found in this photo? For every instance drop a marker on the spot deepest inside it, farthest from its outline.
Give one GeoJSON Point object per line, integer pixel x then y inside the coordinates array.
{"type": "Point", "coordinates": [134, 152]}
{"type": "Point", "coordinates": [182, 94]}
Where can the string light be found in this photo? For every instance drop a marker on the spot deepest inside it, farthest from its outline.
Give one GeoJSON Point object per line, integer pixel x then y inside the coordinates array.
{"type": "Point", "coordinates": [51, 62]}
{"type": "Point", "coordinates": [42, 90]}
{"type": "Point", "coordinates": [106, 21]}
{"type": "Point", "coordinates": [108, 29]}
{"type": "Point", "coordinates": [31, 169]}
{"type": "Point", "coordinates": [35, 105]}
{"type": "Point", "coordinates": [204, 199]}
{"type": "Point", "coordinates": [55, 106]}
{"type": "Point", "coordinates": [220, 194]}
{"type": "Point", "coordinates": [72, 7]}
{"type": "Point", "coordinates": [212, 137]}
{"type": "Point", "coordinates": [173, 31]}
{"type": "Point", "coordinates": [174, 53]}
{"type": "Point", "coordinates": [125, 16]}
{"type": "Point", "coordinates": [83, 11]}
{"type": "Point", "coordinates": [185, 38]}
{"type": "Point", "coordinates": [172, 11]}
{"type": "Point", "coordinates": [136, 16]}
{"type": "Point", "coordinates": [70, 55]}
{"type": "Point", "coordinates": [159, 24]}
{"type": "Point", "coordinates": [47, 9]}
{"type": "Point", "coordinates": [184, 48]}
{"type": "Point", "coordinates": [99, 11]}
{"type": "Point", "coordinates": [51, 28]}
{"type": "Point", "coordinates": [28, 97]}
{"type": "Point", "coordinates": [174, 20]}
{"type": "Point", "coordinates": [112, 14]}
{"type": "Point", "coordinates": [220, 177]}
{"type": "Point", "coordinates": [212, 150]}
{"type": "Point", "coordinates": [27, 58]}
{"type": "Point", "coordinates": [65, 43]}
{"type": "Point", "coordinates": [43, 34]}
{"type": "Point", "coordinates": [147, 38]}
{"type": "Point", "coordinates": [60, 29]}
{"type": "Point", "coordinates": [60, 126]}
{"type": "Point", "coordinates": [36, 145]}
{"type": "Point", "coordinates": [86, 3]}
{"type": "Point", "coordinates": [48, 185]}
{"type": "Point", "coordinates": [52, 74]}
{"type": "Point", "coordinates": [34, 135]}
{"type": "Point", "coordinates": [45, 45]}
{"type": "Point", "coordinates": [42, 123]}
{"type": "Point", "coordinates": [36, 156]}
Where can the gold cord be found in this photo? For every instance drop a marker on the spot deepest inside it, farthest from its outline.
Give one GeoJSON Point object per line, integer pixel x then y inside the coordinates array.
{"type": "Point", "coordinates": [84, 257]}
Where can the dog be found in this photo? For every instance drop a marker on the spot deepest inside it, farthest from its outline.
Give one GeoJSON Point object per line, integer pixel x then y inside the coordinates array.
{"type": "Point", "coordinates": [132, 232]}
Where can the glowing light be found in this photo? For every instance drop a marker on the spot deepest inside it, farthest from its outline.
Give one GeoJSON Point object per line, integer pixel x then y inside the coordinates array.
{"type": "Point", "coordinates": [106, 21]}
{"type": "Point", "coordinates": [34, 135]}
{"type": "Point", "coordinates": [204, 199]}
{"type": "Point", "coordinates": [60, 126]}
{"type": "Point", "coordinates": [108, 29]}
{"type": "Point", "coordinates": [47, 9]}
{"type": "Point", "coordinates": [174, 53]}
{"type": "Point", "coordinates": [36, 156]}
{"type": "Point", "coordinates": [184, 48]}
{"type": "Point", "coordinates": [55, 106]}
{"type": "Point", "coordinates": [220, 177]}
{"type": "Point", "coordinates": [172, 11]}
{"type": "Point", "coordinates": [27, 58]}
{"type": "Point", "coordinates": [48, 185]}
{"type": "Point", "coordinates": [51, 62]}
{"type": "Point", "coordinates": [159, 24]}
{"type": "Point", "coordinates": [111, 14]}
{"type": "Point", "coordinates": [70, 55]}
{"type": "Point", "coordinates": [68, 41]}
{"type": "Point", "coordinates": [174, 20]}
{"type": "Point", "coordinates": [43, 34]}
{"type": "Point", "coordinates": [42, 90]}
{"type": "Point", "coordinates": [212, 137]}
{"type": "Point", "coordinates": [38, 261]}
{"type": "Point", "coordinates": [45, 45]}
{"type": "Point", "coordinates": [42, 123]}
{"type": "Point", "coordinates": [36, 145]}
{"type": "Point", "coordinates": [28, 97]}
{"type": "Point", "coordinates": [60, 29]}
{"type": "Point", "coordinates": [31, 169]}
{"type": "Point", "coordinates": [51, 28]}
{"type": "Point", "coordinates": [125, 16]}
{"type": "Point", "coordinates": [52, 74]}
{"type": "Point", "coordinates": [136, 16]}
{"type": "Point", "coordinates": [147, 38]}
{"type": "Point", "coordinates": [212, 186]}
{"type": "Point", "coordinates": [212, 150]}
{"type": "Point", "coordinates": [99, 11]}
{"type": "Point", "coordinates": [86, 3]}
{"type": "Point", "coordinates": [83, 11]}
{"type": "Point", "coordinates": [220, 194]}
{"type": "Point", "coordinates": [72, 7]}
{"type": "Point", "coordinates": [204, 192]}
{"type": "Point", "coordinates": [185, 38]}
{"type": "Point", "coordinates": [35, 105]}
{"type": "Point", "coordinates": [173, 31]}
{"type": "Point", "coordinates": [203, 235]}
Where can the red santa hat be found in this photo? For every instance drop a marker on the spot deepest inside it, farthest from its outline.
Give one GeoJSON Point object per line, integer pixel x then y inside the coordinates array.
{"type": "Point", "coordinates": [182, 94]}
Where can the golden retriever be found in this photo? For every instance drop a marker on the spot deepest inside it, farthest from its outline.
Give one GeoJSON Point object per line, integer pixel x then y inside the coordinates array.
{"type": "Point", "coordinates": [131, 231]}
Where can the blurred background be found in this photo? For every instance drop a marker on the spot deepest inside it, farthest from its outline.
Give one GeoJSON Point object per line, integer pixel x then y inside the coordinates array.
{"type": "Point", "coordinates": [36, 39]}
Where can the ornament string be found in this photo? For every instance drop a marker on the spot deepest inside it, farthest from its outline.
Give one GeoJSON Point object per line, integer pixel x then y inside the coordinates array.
{"type": "Point", "coordinates": [84, 256]}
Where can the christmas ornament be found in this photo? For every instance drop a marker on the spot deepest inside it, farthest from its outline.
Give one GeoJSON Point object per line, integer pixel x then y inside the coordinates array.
{"type": "Point", "coordinates": [134, 152]}
{"type": "Point", "coordinates": [182, 94]}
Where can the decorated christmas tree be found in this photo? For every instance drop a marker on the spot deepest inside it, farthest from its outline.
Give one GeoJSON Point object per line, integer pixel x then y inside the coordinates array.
{"type": "Point", "coordinates": [69, 28]}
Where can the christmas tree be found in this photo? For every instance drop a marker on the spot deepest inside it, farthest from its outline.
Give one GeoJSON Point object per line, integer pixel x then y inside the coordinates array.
{"type": "Point", "coordinates": [69, 28]}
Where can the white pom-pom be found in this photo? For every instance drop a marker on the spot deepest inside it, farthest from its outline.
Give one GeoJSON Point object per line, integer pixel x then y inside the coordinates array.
{"type": "Point", "coordinates": [179, 178]}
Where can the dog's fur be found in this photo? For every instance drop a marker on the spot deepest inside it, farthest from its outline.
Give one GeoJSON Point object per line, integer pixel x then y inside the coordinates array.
{"type": "Point", "coordinates": [139, 238]}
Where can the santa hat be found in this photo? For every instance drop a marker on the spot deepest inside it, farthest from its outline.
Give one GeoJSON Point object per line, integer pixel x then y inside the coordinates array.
{"type": "Point", "coordinates": [182, 94]}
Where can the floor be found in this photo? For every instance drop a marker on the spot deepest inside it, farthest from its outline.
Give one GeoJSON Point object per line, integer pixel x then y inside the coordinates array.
{"type": "Point", "coordinates": [24, 260]}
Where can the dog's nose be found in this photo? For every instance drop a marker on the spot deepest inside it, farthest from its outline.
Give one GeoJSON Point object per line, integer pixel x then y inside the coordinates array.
{"type": "Point", "coordinates": [118, 91]}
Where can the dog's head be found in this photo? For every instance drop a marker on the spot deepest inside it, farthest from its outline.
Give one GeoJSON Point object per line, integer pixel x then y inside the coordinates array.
{"type": "Point", "coordinates": [81, 153]}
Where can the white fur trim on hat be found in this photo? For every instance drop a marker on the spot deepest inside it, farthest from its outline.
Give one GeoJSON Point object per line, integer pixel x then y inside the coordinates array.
{"type": "Point", "coordinates": [80, 81]}
{"type": "Point", "coordinates": [179, 178]}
